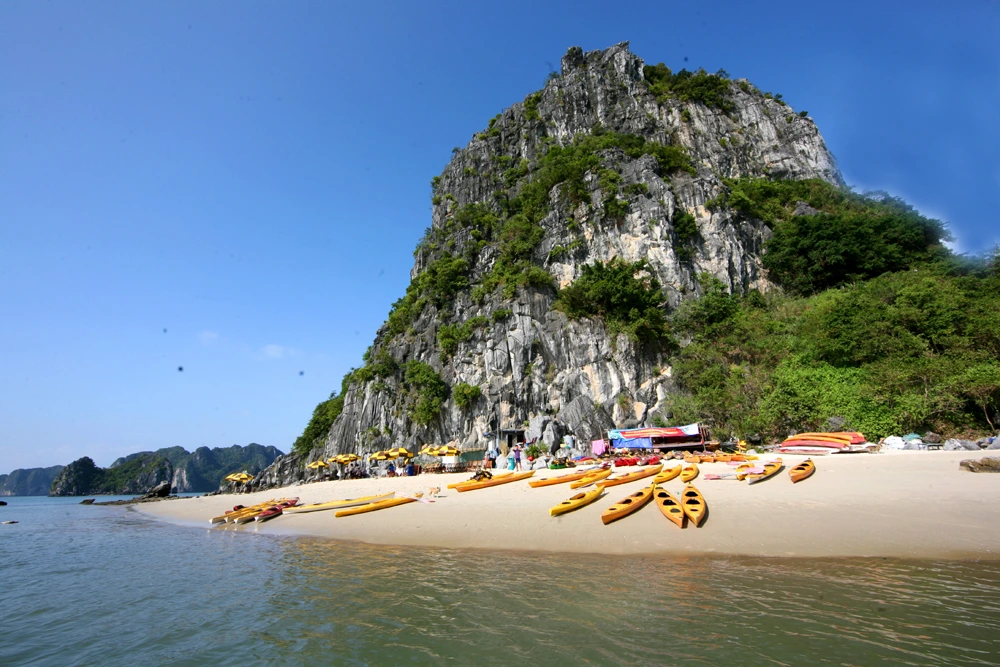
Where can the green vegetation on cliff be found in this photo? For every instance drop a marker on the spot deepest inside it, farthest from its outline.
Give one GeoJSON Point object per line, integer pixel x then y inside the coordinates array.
{"type": "Point", "coordinates": [841, 236]}
{"type": "Point", "coordinates": [712, 90]}
{"type": "Point", "coordinates": [902, 351]}
{"type": "Point", "coordinates": [625, 295]}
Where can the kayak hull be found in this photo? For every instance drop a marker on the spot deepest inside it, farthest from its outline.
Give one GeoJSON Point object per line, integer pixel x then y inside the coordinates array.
{"type": "Point", "coordinates": [339, 504]}
{"type": "Point", "coordinates": [496, 481]}
{"type": "Point", "coordinates": [669, 506]}
{"type": "Point", "coordinates": [694, 505]}
{"type": "Point", "coordinates": [802, 470]}
{"type": "Point", "coordinates": [374, 507]}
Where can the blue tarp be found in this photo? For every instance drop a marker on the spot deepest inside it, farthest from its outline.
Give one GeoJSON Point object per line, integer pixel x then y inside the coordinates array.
{"type": "Point", "coordinates": [634, 443]}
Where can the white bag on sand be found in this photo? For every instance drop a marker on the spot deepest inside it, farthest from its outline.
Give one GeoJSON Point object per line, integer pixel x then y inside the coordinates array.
{"type": "Point", "coordinates": [894, 442]}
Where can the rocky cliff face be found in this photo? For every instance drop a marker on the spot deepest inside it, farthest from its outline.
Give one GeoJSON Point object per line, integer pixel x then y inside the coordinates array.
{"type": "Point", "coordinates": [28, 481]}
{"type": "Point", "coordinates": [495, 329]}
{"type": "Point", "coordinates": [200, 471]}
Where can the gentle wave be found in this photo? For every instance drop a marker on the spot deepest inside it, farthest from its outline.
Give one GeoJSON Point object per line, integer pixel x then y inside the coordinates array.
{"type": "Point", "coordinates": [105, 586]}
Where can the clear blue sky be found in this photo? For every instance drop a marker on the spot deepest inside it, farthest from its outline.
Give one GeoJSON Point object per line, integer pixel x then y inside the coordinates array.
{"type": "Point", "coordinates": [236, 188]}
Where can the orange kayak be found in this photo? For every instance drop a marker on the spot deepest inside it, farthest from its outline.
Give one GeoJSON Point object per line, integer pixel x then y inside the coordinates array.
{"type": "Point", "coordinates": [633, 476]}
{"type": "Point", "coordinates": [669, 506]}
{"type": "Point", "coordinates": [694, 505]}
{"type": "Point", "coordinates": [595, 476]}
{"type": "Point", "coordinates": [561, 479]}
{"type": "Point", "coordinates": [628, 505]}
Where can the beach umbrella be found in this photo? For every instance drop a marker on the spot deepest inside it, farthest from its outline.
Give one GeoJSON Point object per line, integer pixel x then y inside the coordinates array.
{"type": "Point", "coordinates": [398, 452]}
{"type": "Point", "coordinates": [447, 450]}
{"type": "Point", "coordinates": [242, 478]}
{"type": "Point", "coordinates": [430, 450]}
{"type": "Point", "coordinates": [379, 456]}
{"type": "Point", "coordinates": [315, 465]}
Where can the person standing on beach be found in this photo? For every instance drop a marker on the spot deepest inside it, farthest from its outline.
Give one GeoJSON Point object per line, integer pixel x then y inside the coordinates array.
{"type": "Point", "coordinates": [516, 453]}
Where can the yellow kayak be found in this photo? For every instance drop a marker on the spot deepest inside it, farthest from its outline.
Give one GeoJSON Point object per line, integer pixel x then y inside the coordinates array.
{"type": "Point", "coordinates": [771, 468]}
{"type": "Point", "coordinates": [595, 476]}
{"type": "Point", "coordinates": [667, 475]}
{"type": "Point", "coordinates": [633, 476]}
{"type": "Point", "coordinates": [669, 506]}
{"type": "Point", "coordinates": [372, 507]}
{"type": "Point", "coordinates": [474, 481]}
{"type": "Point", "coordinates": [577, 501]}
{"type": "Point", "coordinates": [693, 504]}
{"type": "Point", "coordinates": [802, 470]}
{"type": "Point", "coordinates": [626, 506]}
{"type": "Point", "coordinates": [561, 479]}
{"type": "Point", "coordinates": [689, 472]}
{"type": "Point", "coordinates": [505, 479]}
{"type": "Point", "coordinates": [339, 504]}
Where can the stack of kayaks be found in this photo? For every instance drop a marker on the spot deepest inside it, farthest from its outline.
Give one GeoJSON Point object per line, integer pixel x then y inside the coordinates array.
{"type": "Point", "coordinates": [802, 470]}
{"type": "Point", "coordinates": [241, 514]}
{"type": "Point", "coordinates": [577, 501]}
{"type": "Point", "coordinates": [274, 510]}
{"type": "Point", "coordinates": [822, 443]}
{"type": "Point", "coordinates": [338, 504]}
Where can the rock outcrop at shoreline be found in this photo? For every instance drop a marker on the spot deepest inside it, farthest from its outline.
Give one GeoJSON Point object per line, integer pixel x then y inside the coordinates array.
{"type": "Point", "coordinates": [985, 464]}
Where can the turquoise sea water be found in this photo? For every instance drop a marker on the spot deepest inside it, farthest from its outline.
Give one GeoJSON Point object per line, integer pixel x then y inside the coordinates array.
{"type": "Point", "coordinates": [107, 586]}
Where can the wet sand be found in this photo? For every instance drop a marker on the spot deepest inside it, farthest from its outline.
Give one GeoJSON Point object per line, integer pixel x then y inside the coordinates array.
{"type": "Point", "coordinates": [897, 504]}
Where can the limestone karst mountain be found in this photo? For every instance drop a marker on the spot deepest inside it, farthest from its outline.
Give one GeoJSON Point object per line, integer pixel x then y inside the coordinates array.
{"type": "Point", "coordinates": [611, 163]}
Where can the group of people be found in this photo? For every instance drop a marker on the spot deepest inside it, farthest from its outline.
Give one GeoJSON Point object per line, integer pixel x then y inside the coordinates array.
{"type": "Point", "coordinates": [408, 471]}
{"type": "Point", "coordinates": [516, 457]}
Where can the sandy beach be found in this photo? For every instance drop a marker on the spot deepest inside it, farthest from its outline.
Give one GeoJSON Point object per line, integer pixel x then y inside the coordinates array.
{"type": "Point", "coordinates": [898, 504]}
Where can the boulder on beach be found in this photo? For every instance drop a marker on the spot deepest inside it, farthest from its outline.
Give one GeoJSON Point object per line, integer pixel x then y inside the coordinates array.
{"type": "Point", "coordinates": [161, 490]}
{"type": "Point", "coordinates": [88, 501]}
{"type": "Point", "coordinates": [996, 443]}
{"type": "Point", "coordinates": [954, 444]}
{"type": "Point", "coordinates": [985, 464]}
{"type": "Point", "coordinates": [931, 437]}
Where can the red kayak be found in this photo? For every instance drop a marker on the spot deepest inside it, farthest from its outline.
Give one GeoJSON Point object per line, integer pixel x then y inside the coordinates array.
{"type": "Point", "coordinates": [275, 510]}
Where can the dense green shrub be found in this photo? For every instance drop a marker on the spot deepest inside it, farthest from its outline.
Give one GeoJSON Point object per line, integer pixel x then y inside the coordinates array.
{"type": "Point", "coordinates": [438, 283]}
{"type": "Point", "coordinates": [712, 90]}
{"type": "Point", "coordinates": [686, 234]}
{"type": "Point", "coordinates": [903, 351]}
{"type": "Point", "coordinates": [531, 106]}
{"type": "Point", "coordinates": [450, 335]}
{"type": "Point", "coordinates": [626, 295]}
{"type": "Point", "coordinates": [427, 392]}
{"type": "Point", "coordinates": [465, 394]}
{"type": "Point", "coordinates": [852, 237]}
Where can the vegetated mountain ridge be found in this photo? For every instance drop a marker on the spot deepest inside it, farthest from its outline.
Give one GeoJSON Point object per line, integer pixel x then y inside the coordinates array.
{"type": "Point", "coordinates": [198, 471]}
{"type": "Point", "coordinates": [611, 159]}
{"type": "Point", "coordinates": [28, 481]}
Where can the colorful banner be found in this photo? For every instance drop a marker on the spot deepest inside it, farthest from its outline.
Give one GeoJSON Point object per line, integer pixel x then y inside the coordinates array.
{"type": "Point", "coordinates": [667, 432]}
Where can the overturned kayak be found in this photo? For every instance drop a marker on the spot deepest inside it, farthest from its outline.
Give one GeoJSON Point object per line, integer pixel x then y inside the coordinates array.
{"type": "Point", "coordinates": [693, 504]}
{"type": "Point", "coordinates": [802, 470]}
{"type": "Point", "coordinates": [374, 507]}
{"type": "Point", "coordinates": [669, 506]}
{"type": "Point", "coordinates": [339, 504]}
{"type": "Point", "coordinates": [577, 501]}
{"type": "Point", "coordinates": [505, 479]}
{"type": "Point", "coordinates": [628, 505]}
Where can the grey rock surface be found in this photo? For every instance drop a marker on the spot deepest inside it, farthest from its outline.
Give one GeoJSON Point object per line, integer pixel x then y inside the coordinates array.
{"type": "Point", "coordinates": [932, 437]}
{"type": "Point", "coordinates": [953, 444]}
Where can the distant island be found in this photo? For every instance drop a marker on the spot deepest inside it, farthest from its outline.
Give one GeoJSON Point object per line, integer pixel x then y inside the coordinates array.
{"type": "Point", "coordinates": [29, 481]}
{"type": "Point", "coordinates": [198, 471]}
